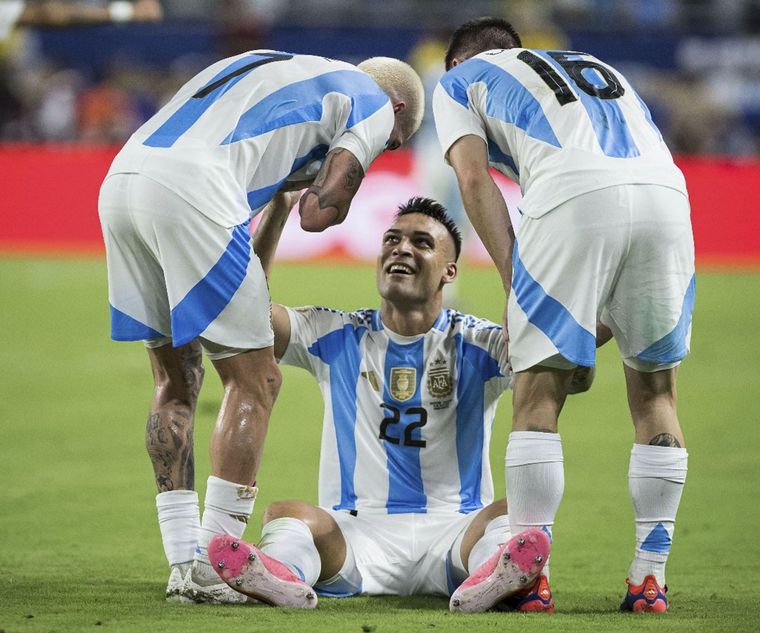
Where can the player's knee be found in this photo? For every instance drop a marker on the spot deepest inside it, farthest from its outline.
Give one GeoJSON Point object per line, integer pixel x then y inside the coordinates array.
{"type": "Point", "coordinates": [291, 509]}
{"type": "Point", "coordinates": [178, 374]}
{"type": "Point", "coordinates": [191, 360]}
{"type": "Point", "coordinates": [267, 384]}
{"type": "Point", "coordinates": [261, 381]}
{"type": "Point", "coordinates": [651, 390]}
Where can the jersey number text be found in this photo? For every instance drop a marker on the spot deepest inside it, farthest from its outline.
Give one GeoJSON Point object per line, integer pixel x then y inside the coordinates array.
{"type": "Point", "coordinates": [264, 58]}
{"type": "Point", "coordinates": [395, 418]}
{"type": "Point", "coordinates": [574, 67]}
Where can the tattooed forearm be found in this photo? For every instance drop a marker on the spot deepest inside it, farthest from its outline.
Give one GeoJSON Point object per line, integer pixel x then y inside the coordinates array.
{"type": "Point", "coordinates": [354, 176]}
{"type": "Point", "coordinates": [665, 439]}
{"type": "Point", "coordinates": [334, 180]}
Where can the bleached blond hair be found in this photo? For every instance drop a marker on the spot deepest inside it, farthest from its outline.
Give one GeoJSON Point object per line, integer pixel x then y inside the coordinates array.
{"type": "Point", "coordinates": [399, 79]}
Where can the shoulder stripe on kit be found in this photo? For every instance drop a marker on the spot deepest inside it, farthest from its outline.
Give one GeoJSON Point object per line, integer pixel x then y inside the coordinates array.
{"type": "Point", "coordinates": [301, 101]}
{"type": "Point", "coordinates": [506, 99]}
{"type": "Point", "coordinates": [647, 113]}
{"type": "Point", "coordinates": [263, 59]}
{"type": "Point", "coordinates": [192, 110]}
{"type": "Point", "coordinates": [442, 321]}
{"type": "Point", "coordinates": [377, 324]}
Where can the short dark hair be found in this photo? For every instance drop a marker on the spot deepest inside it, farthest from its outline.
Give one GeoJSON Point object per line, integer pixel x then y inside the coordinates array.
{"type": "Point", "coordinates": [435, 210]}
{"type": "Point", "coordinates": [481, 34]}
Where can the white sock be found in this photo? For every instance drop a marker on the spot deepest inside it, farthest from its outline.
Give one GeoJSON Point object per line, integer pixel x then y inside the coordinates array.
{"type": "Point", "coordinates": [290, 541]}
{"type": "Point", "coordinates": [656, 475]}
{"type": "Point", "coordinates": [226, 510]}
{"type": "Point", "coordinates": [535, 481]}
{"type": "Point", "coordinates": [496, 534]}
{"type": "Point", "coordinates": [179, 520]}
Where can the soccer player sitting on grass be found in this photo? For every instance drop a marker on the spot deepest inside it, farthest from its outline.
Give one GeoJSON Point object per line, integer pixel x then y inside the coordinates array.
{"type": "Point", "coordinates": [405, 489]}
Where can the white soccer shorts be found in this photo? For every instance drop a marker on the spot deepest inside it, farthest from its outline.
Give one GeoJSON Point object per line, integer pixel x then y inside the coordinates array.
{"type": "Point", "coordinates": [621, 255]}
{"type": "Point", "coordinates": [398, 554]}
{"type": "Point", "coordinates": [172, 272]}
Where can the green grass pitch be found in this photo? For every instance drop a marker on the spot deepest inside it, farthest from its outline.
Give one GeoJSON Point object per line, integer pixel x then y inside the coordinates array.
{"type": "Point", "coordinates": [79, 542]}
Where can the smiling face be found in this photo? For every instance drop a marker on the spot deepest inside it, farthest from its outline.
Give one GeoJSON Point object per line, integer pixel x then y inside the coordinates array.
{"type": "Point", "coordinates": [416, 260]}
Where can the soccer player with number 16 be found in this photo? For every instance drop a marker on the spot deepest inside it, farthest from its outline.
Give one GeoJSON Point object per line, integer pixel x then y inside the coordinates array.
{"type": "Point", "coordinates": [605, 237]}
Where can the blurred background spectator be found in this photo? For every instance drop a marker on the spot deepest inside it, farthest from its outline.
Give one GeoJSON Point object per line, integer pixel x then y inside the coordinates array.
{"type": "Point", "coordinates": [695, 62]}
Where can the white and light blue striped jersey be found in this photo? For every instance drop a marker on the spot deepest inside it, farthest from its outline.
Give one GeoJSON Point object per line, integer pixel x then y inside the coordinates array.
{"type": "Point", "coordinates": [558, 123]}
{"type": "Point", "coordinates": [239, 129]}
{"type": "Point", "coordinates": [407, 420]}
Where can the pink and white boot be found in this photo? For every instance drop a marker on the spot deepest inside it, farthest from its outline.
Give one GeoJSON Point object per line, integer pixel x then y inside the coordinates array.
{"type": "Point", "coordinates": [513, 568]}
{"type": "Point", "coordinates": [250, 571]}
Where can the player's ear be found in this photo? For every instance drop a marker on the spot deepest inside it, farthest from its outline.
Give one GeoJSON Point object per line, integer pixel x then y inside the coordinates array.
{"type": "Point", "coordinates": [450, 272]}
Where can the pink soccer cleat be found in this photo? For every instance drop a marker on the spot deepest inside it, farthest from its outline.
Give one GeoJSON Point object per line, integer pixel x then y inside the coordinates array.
{"type": "Point", "coordinates": [250, 571]}
{"type": "Point", "coordinates": [512, 569]}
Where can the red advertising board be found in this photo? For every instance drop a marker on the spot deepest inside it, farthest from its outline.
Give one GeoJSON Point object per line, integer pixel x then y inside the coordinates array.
{"type": "Point", "coordinates": [48, 204]}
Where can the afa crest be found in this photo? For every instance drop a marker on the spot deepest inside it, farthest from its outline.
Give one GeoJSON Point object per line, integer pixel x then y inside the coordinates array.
{"type": "Point", "coordinates": [403, 383]}
{"type": "Point", "coordinates": [439, 382]}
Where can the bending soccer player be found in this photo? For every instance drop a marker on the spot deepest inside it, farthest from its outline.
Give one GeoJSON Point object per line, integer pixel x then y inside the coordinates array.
{"type": "Point", "coordinates": [405, 489]}
{"type": "Point", "coordinates": [175, 210]}
{"type": "Point", "coordinates": [605, 236]}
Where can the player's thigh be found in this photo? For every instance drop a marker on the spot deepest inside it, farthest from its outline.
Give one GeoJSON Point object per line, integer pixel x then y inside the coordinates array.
{"type": "Point", "coordinates": [649, 309]}
{"type": "Point", "coordinates": [564, 266]}
{"type": "Point", "coordinates": [136, 287]}
{"type": "Point", "coordinates": [177, 371]}
{"type": "Point", "coordinates": [253, 371]}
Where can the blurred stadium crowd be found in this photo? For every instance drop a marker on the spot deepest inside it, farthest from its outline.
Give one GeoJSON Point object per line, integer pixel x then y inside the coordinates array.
{"type": "Point", "coordinates": [695, 62]}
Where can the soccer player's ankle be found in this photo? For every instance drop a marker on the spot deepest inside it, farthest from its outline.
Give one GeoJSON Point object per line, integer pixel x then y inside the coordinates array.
{"type": "Point", "coordinates": [534, 468]}
{"type": "Point", "coordinates": [179, 522]}
{"type": "Point", "coordinates": [494, 536]}
{"type": "Point", "coordinates": [647, 565]}
{"type": "Point", "coordinates": [227, 507]}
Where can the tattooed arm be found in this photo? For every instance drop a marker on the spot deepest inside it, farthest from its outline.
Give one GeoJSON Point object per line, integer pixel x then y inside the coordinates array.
{"type": "Point", "coordinates": [327, 201]}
